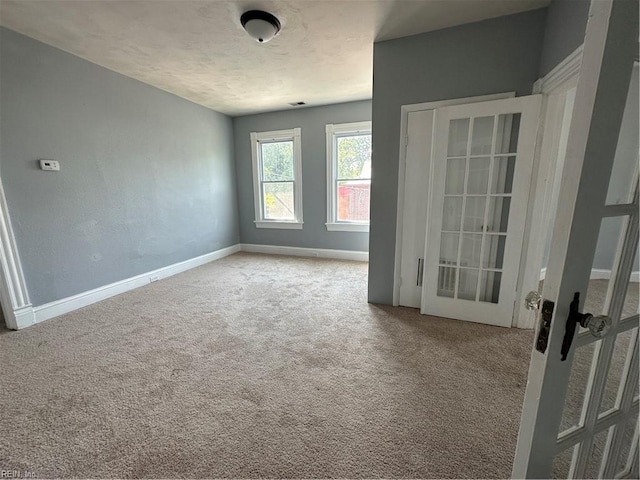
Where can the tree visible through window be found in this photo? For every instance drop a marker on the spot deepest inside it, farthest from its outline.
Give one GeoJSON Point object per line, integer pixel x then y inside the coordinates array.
{"type": "Point", "coordinates": [349, 176]}
{"type": "Point", "coordinates": [277, 179]}
{"type": "Point", "coordinates": [354, 178]}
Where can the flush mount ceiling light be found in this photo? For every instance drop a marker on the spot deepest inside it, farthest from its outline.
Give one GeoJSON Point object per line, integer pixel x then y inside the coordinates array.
{"type": "Point", "coordinates": [261, 26]}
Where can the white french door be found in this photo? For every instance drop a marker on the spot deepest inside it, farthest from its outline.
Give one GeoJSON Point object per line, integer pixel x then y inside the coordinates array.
{"type": "Point", "coordinates": [482, 162]}
{"type": "Point", "coordinates": [580, 414]}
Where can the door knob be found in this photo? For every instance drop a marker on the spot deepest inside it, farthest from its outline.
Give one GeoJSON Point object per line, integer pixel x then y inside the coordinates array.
{"type": "Point", "coordinates": [599, 325]}
{"type": "Point", "coordinates": [532, 300]}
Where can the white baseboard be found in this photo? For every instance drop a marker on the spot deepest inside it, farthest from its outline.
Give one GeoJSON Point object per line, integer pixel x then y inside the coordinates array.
{"type": "Point", "coordinates": [66, 305]}
{"type": "Point", "coordinates": [28, 316]}
{"type": "Point", "coordinates": [307, 252]}
{"type": "Point", "coordinates": [599, 274]}
{"type": "Point", "coordinates": [23, 318]}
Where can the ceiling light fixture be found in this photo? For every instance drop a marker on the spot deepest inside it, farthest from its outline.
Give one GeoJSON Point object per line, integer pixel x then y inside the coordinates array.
{"type": "Point", "coordinates": [261, 26]}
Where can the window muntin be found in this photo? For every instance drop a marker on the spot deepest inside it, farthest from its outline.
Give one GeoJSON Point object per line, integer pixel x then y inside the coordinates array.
{"type": "Point", "coordinates": [348, 176]}
{"type": "Point", "coordinates": [277, 179]}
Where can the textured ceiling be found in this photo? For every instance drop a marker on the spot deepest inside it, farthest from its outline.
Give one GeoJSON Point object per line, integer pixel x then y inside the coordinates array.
{"type": "Point", "coordinates": [199, 51]}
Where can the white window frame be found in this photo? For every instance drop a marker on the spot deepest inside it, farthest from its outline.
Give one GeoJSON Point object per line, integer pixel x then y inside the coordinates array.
{"type": "Point", "coordinates": [333, 133]}
{"type": "Point", "coordinates": [256, 156]}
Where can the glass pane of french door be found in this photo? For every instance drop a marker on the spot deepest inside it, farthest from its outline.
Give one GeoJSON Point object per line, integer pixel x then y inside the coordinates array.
{"type": "Point", "coordinates": [602, 392]}
{"type": "Point", "coordinates": [480, 165]}
{"type": "Point", "coordinates": [598, 435]}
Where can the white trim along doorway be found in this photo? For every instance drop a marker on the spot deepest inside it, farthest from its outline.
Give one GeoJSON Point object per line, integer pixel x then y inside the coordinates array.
{"type": "Point", "coordinates": [16, 306]}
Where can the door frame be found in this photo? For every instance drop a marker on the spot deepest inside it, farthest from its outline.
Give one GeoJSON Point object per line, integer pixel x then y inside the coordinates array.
{"type": "Point", "coordinates": [404, 125]}
{"type": "Point", "coordinates": [561, 79]}
{"type": "Point", "coordinates": [16, 306]}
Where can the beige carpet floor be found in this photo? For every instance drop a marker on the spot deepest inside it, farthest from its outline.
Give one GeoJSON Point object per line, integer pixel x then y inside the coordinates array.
{"type": "Point", "coordinates": [260, 366]}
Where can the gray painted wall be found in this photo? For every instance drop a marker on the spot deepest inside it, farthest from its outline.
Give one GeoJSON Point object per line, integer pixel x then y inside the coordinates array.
{"type": "Point", "coordinates": [492, 56]}
{"type": "Point", "coordinates": [312, 122]}
{"type": "Point", "coordinates": [564, 31]}
{"type": "Point", "coordinates": [147, 178]}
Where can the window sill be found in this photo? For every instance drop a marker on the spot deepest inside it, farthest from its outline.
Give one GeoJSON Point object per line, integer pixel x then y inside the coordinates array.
{"type": "Point", "coordinates": [283, 225]}
{"type": "Point", "coordinates": [347, 227]}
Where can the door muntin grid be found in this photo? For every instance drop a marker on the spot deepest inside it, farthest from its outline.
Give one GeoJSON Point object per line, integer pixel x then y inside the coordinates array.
{"type": "Point", "coordinates": [480, 165]}
{"type": "Point", "coordinates": [599, 413]}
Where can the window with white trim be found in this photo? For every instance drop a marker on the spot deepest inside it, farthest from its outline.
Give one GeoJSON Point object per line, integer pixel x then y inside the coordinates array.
{"type": "Point", "coordinates": [348, 176]}
{"type": "Point", "coordinates": [277, 178]}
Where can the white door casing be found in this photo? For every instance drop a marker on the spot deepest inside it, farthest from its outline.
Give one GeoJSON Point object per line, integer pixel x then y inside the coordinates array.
{"type": "Point", "coordinates": [609, 50]}
{"type": "Point", "coordinates": [558, 90]}
{"type": "Point", "coordinates": [480, 184]}
{"type": "Point", "coordinates": [418, 159]}
{"type": "Point", "coordinates": [16, 306]}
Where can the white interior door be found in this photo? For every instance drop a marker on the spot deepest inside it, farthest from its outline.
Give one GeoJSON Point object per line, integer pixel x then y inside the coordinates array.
{"type": "Point", "coordinates": [580, 414]}
{"type": "Point", "coordinates": [414, 212]}
{"type": "Point", "coordinates": [413, 198]}
{"type": "Point", "coordinates": [483, 156]}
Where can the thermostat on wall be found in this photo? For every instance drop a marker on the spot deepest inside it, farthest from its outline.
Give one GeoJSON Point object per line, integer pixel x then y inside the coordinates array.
{"type": "Point", "coordinates": [50, 165]}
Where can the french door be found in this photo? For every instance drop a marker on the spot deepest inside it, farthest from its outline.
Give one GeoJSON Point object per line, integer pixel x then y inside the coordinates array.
{"type": "Point", "coordinates": [483, 157]}
{"type": "Point", "coordinates": [580, 414]}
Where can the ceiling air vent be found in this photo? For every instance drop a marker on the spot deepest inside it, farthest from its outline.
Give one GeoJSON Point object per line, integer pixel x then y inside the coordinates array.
{"type": "Point", "coordinates": [297, 104]}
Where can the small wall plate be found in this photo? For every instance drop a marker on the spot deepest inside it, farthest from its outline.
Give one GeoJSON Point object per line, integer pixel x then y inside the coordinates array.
{"type": "Point", "coordinates": [51, 165]}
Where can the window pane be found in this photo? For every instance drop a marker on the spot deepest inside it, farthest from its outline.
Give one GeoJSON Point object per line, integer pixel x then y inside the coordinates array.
{"type": "Point", "coordinates": [468, 284]}
{"type": "Point", "coordinates": [449, 248]}
{"type": "Point", "coordinates": [354, 156]}
{"type": "Point", "coordinates": [498, 214]}
{"type": "Point", "coordinates": [625, 163]}
{"type": "Point", "coordinates": [620, 360]}
{"type": "Point", "coordinates": [470, 252]}
{"type": "Point", "coordinates": [594, 458]}
{"type": "Point", "coordinates": [482, 136]}
{"type": "Point", "coordinates": [478, 175]}
{"type": "Point", "coordinates": [278, 201]}
{"type": "Point", "coordinates": [493, 251]}
{"type": "Point", "coordinates": [631, 305]}
{"type": "Point", "coordinates": [607, 249]}
{"type": "Point", "coordinates": [458, 137]}
{"type": "Point", "coordinates": [353, 200]}
{"type": "Point", "coordinates": [507, 134]}
{"type": "Point", "coordinates": [627, 440]}
{"type": "Point", "coordinates": [474, 214]}
{"type": "Point", "coordinates": [578, 379]}
{"type": "Point", "coordinates": [277, 161]}
{"type": "Point", "coordinates": [452, 213]}
{"type": "Point", "coordinates": [503, 168]}
{"type": "Point", "coordinates": [562, 463]}
{"type": "Point", "coordinates": [490, 286]}
{"type": "Point", "coordinates": [454, 181]}
{"type": "Point", "coordinates": [446, 281]}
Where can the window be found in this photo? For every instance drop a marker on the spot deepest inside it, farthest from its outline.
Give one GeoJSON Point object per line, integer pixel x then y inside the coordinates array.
{"type": "Point", "coordinates": [348, 176]}
{"type": "Point", "coordinates": [277, 179]}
